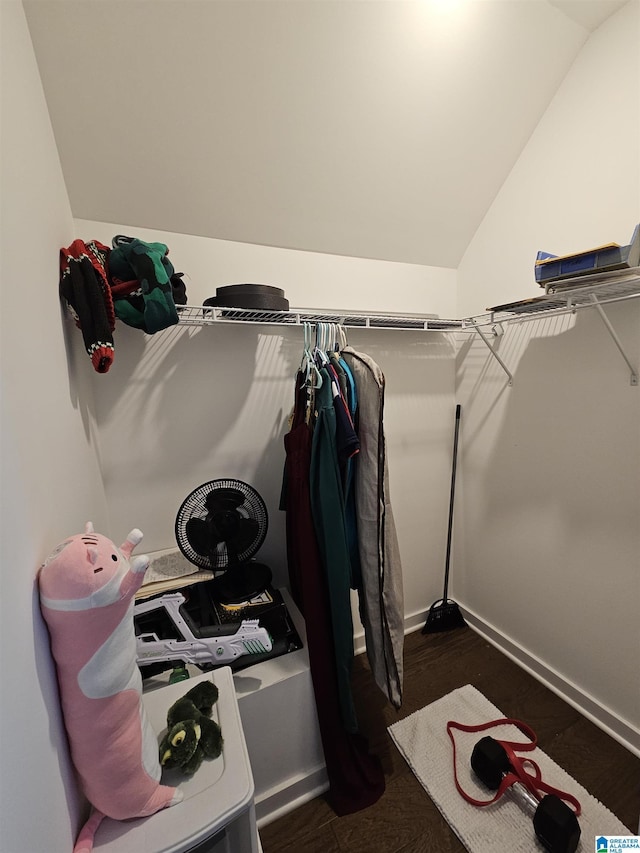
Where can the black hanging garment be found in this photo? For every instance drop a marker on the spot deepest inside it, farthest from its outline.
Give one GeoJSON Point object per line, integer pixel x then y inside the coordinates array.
{"type": "Point", "coordinates": [85, 289]}
{"type": "Point", "coordinates": [356, 778]}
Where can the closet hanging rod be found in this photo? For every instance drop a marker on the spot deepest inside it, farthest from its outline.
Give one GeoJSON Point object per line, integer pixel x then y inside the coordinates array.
{"type": "Point", "coordinates": [204, 315]}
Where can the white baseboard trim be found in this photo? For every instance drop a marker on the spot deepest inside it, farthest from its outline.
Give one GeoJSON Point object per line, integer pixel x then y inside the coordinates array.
{"type": "Point", "coordinates": [617, 728]}
{"type": "Point", "coordinates": [412, 622]}
{"type": "Point", "coordinates": [291, 794]}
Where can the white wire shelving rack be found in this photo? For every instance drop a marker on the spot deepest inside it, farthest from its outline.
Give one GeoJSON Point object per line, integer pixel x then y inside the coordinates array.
{"type": "Point", "coordinates": [561, 297]}
{"type": "Point", "coordinates": [564, 297]}
{"type": "Point", "coordinates": [567, 295]}
{"type": "Point", "coordinates": [204, 315]}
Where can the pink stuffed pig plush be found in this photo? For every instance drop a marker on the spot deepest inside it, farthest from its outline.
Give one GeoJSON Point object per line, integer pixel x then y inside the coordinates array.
{"type": "Point", "coordinates": [87, 588]}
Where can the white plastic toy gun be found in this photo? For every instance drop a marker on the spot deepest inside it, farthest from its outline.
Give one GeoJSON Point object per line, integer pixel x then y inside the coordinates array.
{"type": "Point", "coordinates": [204, 647]}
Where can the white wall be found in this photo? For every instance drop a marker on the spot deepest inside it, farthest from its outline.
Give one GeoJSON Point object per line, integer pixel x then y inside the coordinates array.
{"type": "Point", "coordinates": [550, 489]}
{"type": "Point", "coordinates": [189, 405]}
{"type": "Point", "coordinates": [50, 479]}
{"type": "Point", "coordinates": [549, 541]}
{"type": "Point", "coordinates": [178, 408]}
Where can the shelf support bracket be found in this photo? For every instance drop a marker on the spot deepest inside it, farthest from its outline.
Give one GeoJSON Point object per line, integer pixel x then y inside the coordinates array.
{"type": "Point", "coordinates": [483, 337]}
{"type": "Point", "coordinates": [616, 339]}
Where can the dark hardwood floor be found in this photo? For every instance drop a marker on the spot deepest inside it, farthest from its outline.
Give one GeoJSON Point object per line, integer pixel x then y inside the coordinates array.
{"type": "Point", "coordinates": [405, 820]}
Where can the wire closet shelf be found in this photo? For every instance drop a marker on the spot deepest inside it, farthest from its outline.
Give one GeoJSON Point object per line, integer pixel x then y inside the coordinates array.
{"type": "Point", "coordinates": [204, 315]}
{"type": "Point", "coordinates": [561, 297]}
{"type": "Point", "coordinates": [566, 296]}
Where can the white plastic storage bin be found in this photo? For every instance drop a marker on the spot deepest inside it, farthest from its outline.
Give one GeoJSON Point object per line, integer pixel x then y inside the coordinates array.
{"type": "Point", "coordinates": [217, 814]}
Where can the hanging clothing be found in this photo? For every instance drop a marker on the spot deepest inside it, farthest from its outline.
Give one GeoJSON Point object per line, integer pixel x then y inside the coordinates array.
{"type": "Point", "coordinates": [143, 283]}
{"type": "Point", "coordinates": [84, 287]}
{"type": "Point", "coordinates": [351, 525]}
{"type": "Point", "coordinates": [327, 507]}
{"type": "Point", "coordinates": [334, 361]}
{"type": "Point", "coordinates": [356, 779]}
{"type": "Point", "coordinates": [381, 593]}
{"type": "Point", "coordinates": [347, 441]}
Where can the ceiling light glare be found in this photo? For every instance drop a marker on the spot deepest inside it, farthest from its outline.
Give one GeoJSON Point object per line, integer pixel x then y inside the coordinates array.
{"type": "Point", "coordinates": [446, 8]}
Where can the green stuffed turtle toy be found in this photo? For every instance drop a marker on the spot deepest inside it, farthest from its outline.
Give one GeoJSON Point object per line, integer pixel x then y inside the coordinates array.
{"type": "Point", "coordinates": [191, 734]}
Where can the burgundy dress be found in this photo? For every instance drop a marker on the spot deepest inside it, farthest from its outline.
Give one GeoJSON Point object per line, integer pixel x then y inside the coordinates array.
{"type": "Point", "coordinates": [356, 778]}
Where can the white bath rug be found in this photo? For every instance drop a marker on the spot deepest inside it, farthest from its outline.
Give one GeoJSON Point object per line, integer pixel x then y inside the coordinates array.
{"type": "Point", "coordinates": [504, 826]}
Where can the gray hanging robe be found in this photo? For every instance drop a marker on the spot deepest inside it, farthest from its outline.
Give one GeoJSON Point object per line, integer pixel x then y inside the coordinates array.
{"type": "Point", "coordinates": [381, 595]}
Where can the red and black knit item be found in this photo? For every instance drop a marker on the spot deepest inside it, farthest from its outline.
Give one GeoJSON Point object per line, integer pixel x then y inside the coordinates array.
{"type": "Point", "coordinates": [84, 286]}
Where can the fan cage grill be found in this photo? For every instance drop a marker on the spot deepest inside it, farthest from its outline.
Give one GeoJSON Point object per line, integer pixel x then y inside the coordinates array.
{"type": "Point", "coordinates": [194, 506]}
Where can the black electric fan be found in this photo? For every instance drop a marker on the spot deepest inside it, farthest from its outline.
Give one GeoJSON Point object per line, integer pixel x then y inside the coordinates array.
{"type": "Point", "coordinates": [220, 526]}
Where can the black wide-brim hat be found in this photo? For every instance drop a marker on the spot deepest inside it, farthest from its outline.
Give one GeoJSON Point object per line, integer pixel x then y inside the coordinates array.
{"type": "Point", "coordinates": [260, 297]}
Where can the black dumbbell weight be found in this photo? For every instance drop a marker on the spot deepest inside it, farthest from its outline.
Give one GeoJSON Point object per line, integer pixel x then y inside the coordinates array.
{"type": "Point", "coordinates": [554, 823]}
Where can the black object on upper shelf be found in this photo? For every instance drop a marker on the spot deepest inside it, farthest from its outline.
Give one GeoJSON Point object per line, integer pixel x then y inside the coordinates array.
{"type": "Point", "coordinates": [260, 297]}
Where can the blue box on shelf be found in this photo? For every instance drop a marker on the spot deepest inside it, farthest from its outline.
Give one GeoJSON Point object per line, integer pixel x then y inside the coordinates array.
{"type": "Point", "coordinates": [601, 259]}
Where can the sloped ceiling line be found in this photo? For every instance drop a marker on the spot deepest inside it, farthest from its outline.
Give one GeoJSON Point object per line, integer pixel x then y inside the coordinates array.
{"type": "Point", "coordinates": [373, 129]}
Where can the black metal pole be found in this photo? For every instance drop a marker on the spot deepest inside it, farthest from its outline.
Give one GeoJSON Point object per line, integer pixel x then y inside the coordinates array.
{"type": "Point", "coordinates": [453, 491]}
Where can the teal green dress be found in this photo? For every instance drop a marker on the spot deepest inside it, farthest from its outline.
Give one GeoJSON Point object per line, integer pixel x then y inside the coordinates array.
{"type": "Point", "coordinates": [327, 506]}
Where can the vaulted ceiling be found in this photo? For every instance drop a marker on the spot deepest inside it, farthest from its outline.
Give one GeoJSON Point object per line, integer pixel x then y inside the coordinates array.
{"type": "Point", "coordinates": [373, 128]}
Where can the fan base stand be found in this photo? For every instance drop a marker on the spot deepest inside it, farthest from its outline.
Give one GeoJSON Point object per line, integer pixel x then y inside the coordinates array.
{"type": "Point", "coordinates": [241, 583]}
